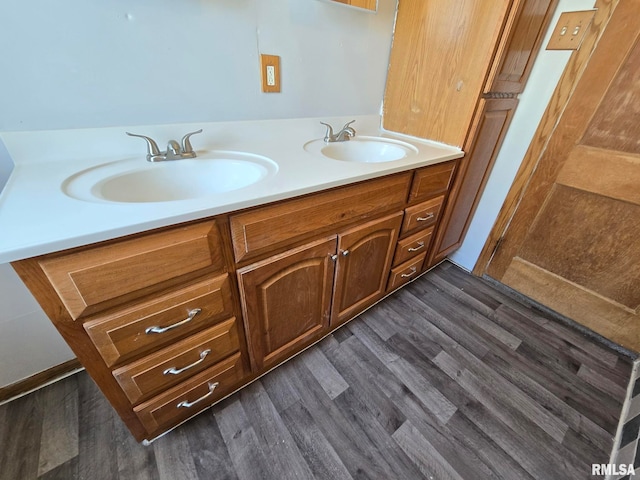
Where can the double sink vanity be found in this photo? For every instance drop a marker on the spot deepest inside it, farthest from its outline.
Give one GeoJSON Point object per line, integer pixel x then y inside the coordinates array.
{"type": "Point", "coordinates": [177, 282]}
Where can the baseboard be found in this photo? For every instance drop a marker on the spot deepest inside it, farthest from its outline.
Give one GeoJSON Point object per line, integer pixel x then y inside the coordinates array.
{"type": "Point", "coordinates": [39, 380]}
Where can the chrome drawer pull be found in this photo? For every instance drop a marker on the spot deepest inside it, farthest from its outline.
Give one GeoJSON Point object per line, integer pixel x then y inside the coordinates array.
{"type": "Point", "coordinates": [178, 371]}
{"type": "Point", "coordinates": [415, 249]}
{"type": "Point", "coordinates": [192, 314]}
{"type": "Point", "coordinates": [428, 217]}
{"type": "Point", "coordinates": [185, 404]}
{"type": "Point", "coordinates": [413, 271]}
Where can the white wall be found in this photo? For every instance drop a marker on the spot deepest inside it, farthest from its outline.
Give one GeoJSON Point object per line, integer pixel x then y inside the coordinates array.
{"type": "Point", "coordinates": [74, 64]}
{"type": "Point", "coordinates": [545, 74]}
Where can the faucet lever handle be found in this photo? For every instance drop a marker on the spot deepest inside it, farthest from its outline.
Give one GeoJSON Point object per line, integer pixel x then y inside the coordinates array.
{"type": "Point", "coordinates": [152, 146]}
{"type": "Point", "coordinates": [186, 143]}
{"type": "Point", "coordinates": [346, 125]}
{"type": "Point", "coordinates": [328, 136]}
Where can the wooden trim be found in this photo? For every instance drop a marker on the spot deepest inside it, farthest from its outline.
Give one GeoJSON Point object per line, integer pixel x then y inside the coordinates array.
{"type": "Point", "coordinates": [557, 105]}
{"type": "Point", "coordinates": [39, 380]}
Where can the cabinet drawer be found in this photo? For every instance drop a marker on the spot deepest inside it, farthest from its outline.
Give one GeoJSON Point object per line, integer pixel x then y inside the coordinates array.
{"type": "Point", "coordinates": [413, 246]}
{"type": "Point", "coordinates": [422, 215]}
{"type": "Point", "coordinates": [266, 228]}
{"type": "Point", "coordinates": [188, 398]}
{"type": "Point", "coordinates": [178, 362]}
{"type": "Point", "coordinates": [97, 278]}
{"type": "Point", "coordinates": [128, 333]}
{"type": "Point", "coordinates": [405, 272]}
{"type": "Point", "coordinates": [431, 181]}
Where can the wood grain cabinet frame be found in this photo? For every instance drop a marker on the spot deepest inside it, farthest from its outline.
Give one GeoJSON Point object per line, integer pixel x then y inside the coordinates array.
{"type": "Point", "coordinates": [286, 300]}
{"type": "Point", "coordinates": [167, 323]}
{"type": "Point", "coordinates": [464, 92]}
{"type": "Point", "coordinates": [90, 280]}
{"type": "Point", "coordinates": [179, 361]}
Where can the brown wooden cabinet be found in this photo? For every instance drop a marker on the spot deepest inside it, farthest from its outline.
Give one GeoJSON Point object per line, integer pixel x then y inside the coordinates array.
{"type": "Point", "coordinates": [286, 300]}
{"type": "Point", "coordinates": [160, 324]}
{"type": "Point", "coordinates": [364, 259]}
{"type": "Point", "coordinates": [152, 317]}
{"type": "Point", "coordinates": [474, 170]}
{"type": "Point", "coordinates": [293, 298]}
{"type": "Point", "coordinates": [455, 71]}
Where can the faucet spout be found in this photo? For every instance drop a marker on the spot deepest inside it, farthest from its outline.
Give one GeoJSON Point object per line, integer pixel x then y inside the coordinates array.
{"type": "Point", "coordinates": [174, 150]}
{"type": "Point", "coordinates": [343, 135]}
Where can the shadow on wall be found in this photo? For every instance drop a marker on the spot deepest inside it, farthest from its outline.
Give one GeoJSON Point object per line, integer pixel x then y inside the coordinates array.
{"type": "Point", "coordinates": [6, 166]}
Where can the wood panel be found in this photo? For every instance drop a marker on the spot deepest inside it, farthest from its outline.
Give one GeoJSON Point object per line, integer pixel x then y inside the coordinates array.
{"type": "Point", "coordinates": [267, 228]}
{"type": "Point", "coordinates": [595, 312]}
{"type": "Point", "coordinates": [586, 239]}
{"type": "Point", "coordinates": [92, 279]}
{"type": "Point", "coordinates": [554, 111]}
{"type": "Point", "coordinates": [439, 61]}
{"type": "Point", "coordinates": [405, 272]}
{"type": "Point", "coordinates": [188, 398]}
{"type": "Point", "coordinates": [473, 172]}
{"type": "Point", "coordinates": [123, 334]}
{"type": "Point", "coordinates": [615, 123]}
{"type": "Point", "coordinates": [518, 49]}
{"type": "Point", "coordinates": [589, 240]}
{"type": "Point", "coordinates": [431, 182]}
{"type": "Point", "coordinates": [618, 173]}
{"type": "Point", "coordinates": [413, 246]}
{"type": "Point", "coordinates": [422, 215]}
{"type": "Point", "coordinates": [365, 253]}
{"type": "Point", "coordinates": [179, 361]}
{"type": "Point", "coordinates": [286, 300]}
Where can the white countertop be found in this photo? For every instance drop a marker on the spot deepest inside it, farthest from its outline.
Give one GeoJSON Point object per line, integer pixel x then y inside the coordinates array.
{"type": "Point", "coordinates": [37, 217]}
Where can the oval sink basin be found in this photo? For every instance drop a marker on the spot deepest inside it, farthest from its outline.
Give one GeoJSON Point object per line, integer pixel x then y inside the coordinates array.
{"type": "Point", "coordinates": [139, 181]}
{"type": "Point", "coordinates": [363, 149]}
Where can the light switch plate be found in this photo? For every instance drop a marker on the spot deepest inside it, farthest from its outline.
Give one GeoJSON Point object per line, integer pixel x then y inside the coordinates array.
{"type": "Point", "coordinates": [270, 73]}
{"type": "Point", "coordinates": [571, 30]}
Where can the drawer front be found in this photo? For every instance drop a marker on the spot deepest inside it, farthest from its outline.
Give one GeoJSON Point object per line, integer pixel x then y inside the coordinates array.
{"type": "Point", "coordinates": [431, 182]}
{"type": "Point", "coordinates": [176, 363]}
{"type": "Point", "coordinates": [188, 398]}
{"type": "Point", "coordinates": [422, 215]}
{"type": "Point", "coordinates": [412, 246]}
{"type": "Point", "coordinates": [263, 229]}
{"type": "Point", "coordinates": [164, 319]}
{"type": "Point", "coordinates": [405, 272]}
{"type": "Point", "coordinates": [97, 278]}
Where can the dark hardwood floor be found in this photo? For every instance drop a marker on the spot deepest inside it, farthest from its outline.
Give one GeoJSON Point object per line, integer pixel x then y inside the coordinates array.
{"type": "Point", "coordinates": [447, 379]}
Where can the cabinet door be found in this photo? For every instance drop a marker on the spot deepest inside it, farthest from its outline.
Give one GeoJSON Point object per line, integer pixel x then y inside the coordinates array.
{"type": "Point", "coordinates": [472, 175]}
{"type": "Point", "coordinates": [364, 260]}
{"type": "Point", "coordinates": [286, 300]}
{"type": "Point", "coordinates": [519, 45]}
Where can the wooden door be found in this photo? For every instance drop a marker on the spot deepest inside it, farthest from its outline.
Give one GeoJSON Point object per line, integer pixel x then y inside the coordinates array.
{"type": "Point", "coordinates": [286, 300]}
{"type": "Point", "coordinates": [364, 260]}
{"type": "Point", "coordinates": [574, 241]}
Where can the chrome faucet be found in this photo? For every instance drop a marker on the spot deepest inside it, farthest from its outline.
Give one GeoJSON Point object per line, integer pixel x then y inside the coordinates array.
{"type": "Point", "coordinates": [174, 151]}
{"type": "Point", "coordinates": [343, 135]}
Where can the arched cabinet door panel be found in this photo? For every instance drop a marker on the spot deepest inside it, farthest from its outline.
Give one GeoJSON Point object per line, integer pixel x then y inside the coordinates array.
{"type": "Point", "coordinates": [286, 300]}
{"type": "Point", "coordinates": [364, 259]}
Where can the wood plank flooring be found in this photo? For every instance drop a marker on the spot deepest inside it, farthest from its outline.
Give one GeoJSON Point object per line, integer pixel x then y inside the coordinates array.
{"type": "Point", "coordinates": [447, 379]}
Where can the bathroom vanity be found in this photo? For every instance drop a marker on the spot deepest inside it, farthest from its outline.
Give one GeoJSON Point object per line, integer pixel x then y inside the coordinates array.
{"type": "Point", "coordinates": [171, 318]}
